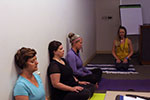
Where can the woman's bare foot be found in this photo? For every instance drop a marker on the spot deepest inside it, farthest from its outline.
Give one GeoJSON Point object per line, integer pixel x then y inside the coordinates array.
{"type": "Point", "coordinates": [96, 85]}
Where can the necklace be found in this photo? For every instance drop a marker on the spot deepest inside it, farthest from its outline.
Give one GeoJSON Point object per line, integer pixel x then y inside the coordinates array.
{"type": "Point", "coordinates": [122, 45]}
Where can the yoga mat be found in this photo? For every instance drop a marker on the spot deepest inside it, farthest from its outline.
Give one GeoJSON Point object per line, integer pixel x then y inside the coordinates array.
{"type": "Point", "coordinates": [98, 96]}
{"type": "Point", "coordinates": [110, 69]}
{"type": "Point", "coordinates": [124, 85]}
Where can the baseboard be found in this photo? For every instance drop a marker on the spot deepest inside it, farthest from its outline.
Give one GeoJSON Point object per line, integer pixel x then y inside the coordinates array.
{"type": "Point", "coordinates": [103, 52]}
{"type": "Point", "coordinates": [89, 59]}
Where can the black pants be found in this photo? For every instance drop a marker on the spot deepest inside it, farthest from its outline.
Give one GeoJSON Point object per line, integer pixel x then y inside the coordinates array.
{"type": "Point", "coordinates": [86, 93]}
{"type": "Point", "coordinates": [122, 66]}
{"type": "Point", "coordinates": [94, 78]}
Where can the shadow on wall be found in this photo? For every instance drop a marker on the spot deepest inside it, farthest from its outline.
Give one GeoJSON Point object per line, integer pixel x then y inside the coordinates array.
{"type": "Point", "coordinates": [15, 71]}
{"type": "Point", "coordinates": [47, 91]}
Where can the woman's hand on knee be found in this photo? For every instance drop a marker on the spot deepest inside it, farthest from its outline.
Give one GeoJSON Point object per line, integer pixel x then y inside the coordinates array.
{"type": "Point", "coordinates": [83, 82]}
{"type": "Point", "coordinates": [77, 89]}
{"type": "Point", "coordinates": [118, 61]}
{"type": "Point", "coordinates": [125, 61]}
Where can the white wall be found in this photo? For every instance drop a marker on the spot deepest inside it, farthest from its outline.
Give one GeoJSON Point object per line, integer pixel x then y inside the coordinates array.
{"type": "Point", "coordinates": [106, 29]}
{"type": "Point", "coordinates": [34, 23]}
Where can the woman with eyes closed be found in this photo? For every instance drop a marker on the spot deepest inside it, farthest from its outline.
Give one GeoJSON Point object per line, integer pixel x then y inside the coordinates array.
{"type": "Point", "coordinates": [122, 49]}
{"type": "Point", "coordinates": [73, 58]}
{"type": "Point", "coordinates": [63, 85]}
{"type": "Point", "coordinates": [29, 85]}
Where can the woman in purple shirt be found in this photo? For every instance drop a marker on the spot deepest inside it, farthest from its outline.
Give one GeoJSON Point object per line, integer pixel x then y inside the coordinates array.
{"type": "Point", "coordinates": [74, 60]}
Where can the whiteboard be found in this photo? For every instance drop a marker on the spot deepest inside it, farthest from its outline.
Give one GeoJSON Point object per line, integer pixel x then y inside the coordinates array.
{"type": "Point", "coordinates": [131, 18]}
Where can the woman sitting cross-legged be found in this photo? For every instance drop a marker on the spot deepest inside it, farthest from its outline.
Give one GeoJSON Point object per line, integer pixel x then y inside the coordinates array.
{"type": "Point", "coordinates": [63, 85]}
{"type": "Point", "coordinates": [74, 60]}
{"type": "Point", "coordinates": [122, 49]}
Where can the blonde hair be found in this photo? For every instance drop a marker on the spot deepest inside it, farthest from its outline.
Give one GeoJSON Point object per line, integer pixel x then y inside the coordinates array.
{"type": "Point", "coordinates": [73, 37]}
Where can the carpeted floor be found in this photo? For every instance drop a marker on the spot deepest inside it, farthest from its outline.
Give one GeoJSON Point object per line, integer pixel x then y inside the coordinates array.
{"type": "Point", "coordinates": [143, 70]}
{"type": "Point", "coordinates": [111, 69]}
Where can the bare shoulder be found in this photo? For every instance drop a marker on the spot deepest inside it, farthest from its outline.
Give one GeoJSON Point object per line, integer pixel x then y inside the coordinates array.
{"type": "Point", "coordinates": [129, 41]}
{"type": "Point", "coordinates": [115, 41]}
